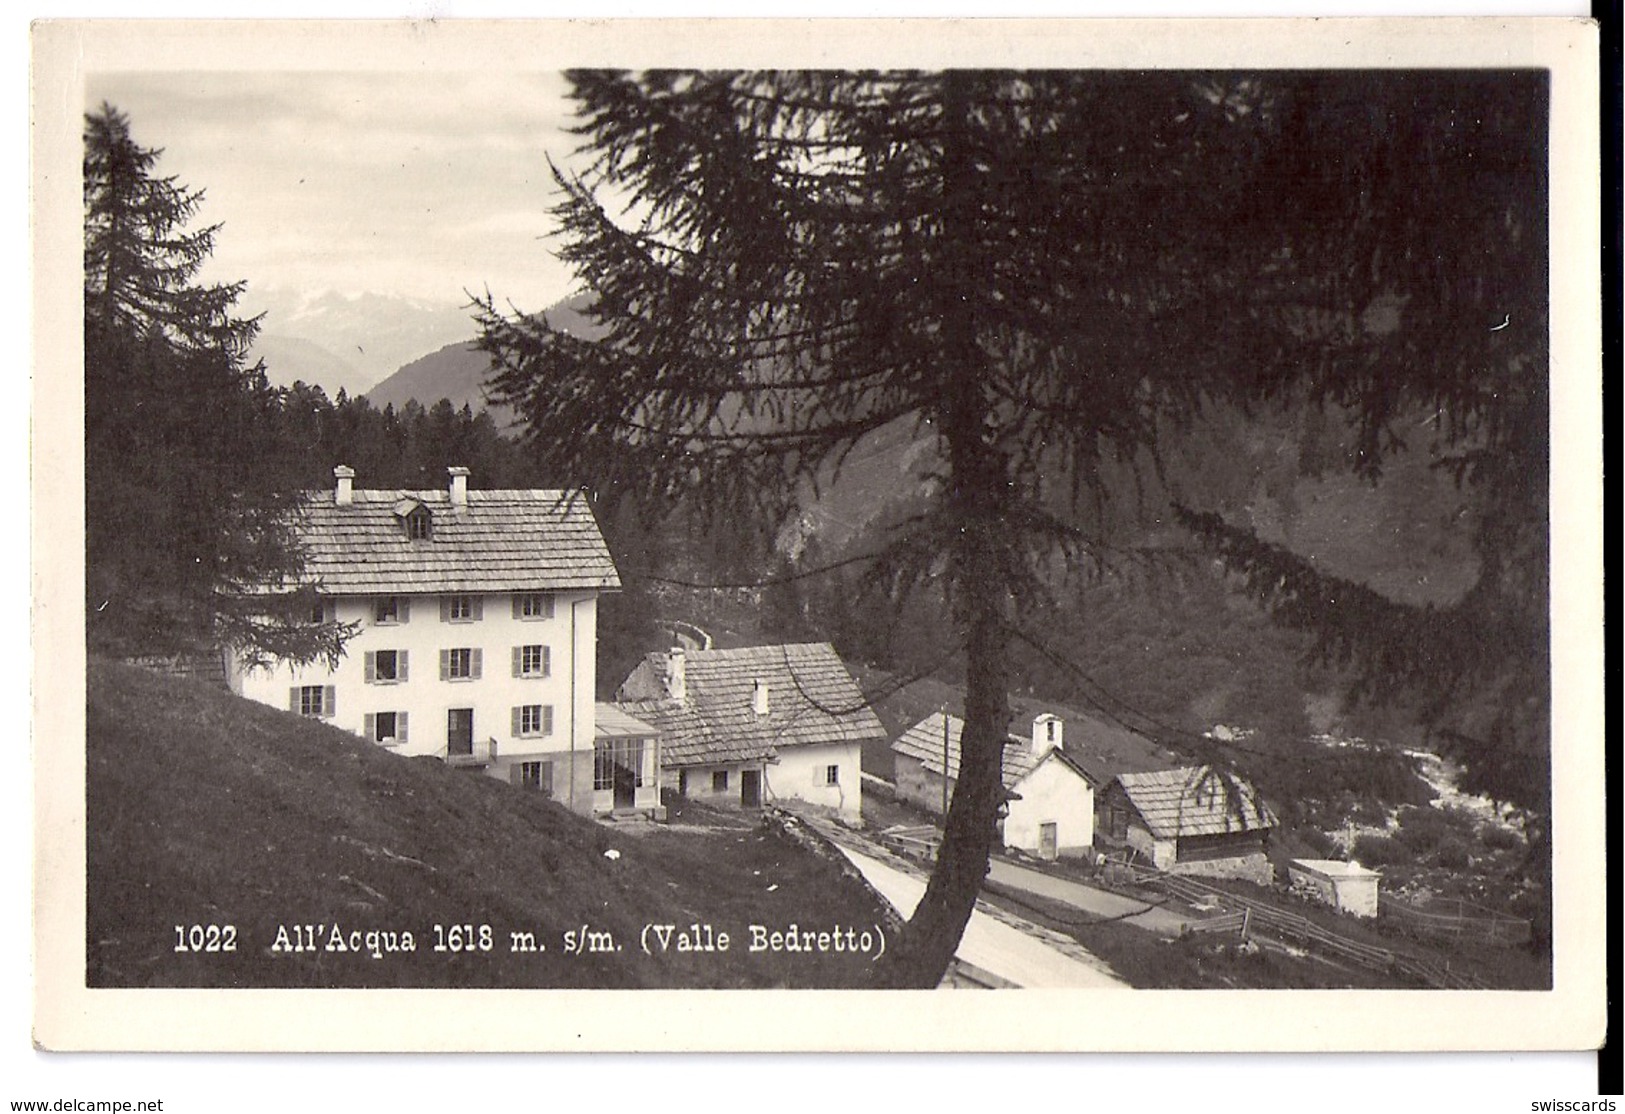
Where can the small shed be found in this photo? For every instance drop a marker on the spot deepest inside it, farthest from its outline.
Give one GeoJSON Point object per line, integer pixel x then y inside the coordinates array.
{"type": "Point", "coordinates": [1347, 887]}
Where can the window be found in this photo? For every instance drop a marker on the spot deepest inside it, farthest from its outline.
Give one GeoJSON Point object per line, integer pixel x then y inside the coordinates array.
{"type": "Point", "coordinates": [532, 661]}
{"type": "Point", "coordinates": [532, 720]}
{"type": "Point", "coordinates": [418, 524]}
{"type": "Point", "coordinates": [462, 664]}
{"type": "Point", "coordinates": [832, 775]}
{"type": "Point", "coordinates": [618, 763]}
{"type": "Point", "coordinates": [390, 609]}
{"type": "Point", "coordinates": [385, 667]}
{"type": "Point", "coordinates": [535, 775]}
{"type": "Point", "coordinates": [533, 605]}
{"type": "Point", "coordinates": [719, 781]}
{"type": "Point", "coordinates": [388, 728]}
{"type": "Point", "coordinates": [461, 609]}
{"type": "Point", "coordinates": [318, 612]}
{"type": "Point", "coordinates": [312, 700]}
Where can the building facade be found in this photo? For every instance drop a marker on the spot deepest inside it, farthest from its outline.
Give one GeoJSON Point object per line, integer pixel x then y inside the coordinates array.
{"type": "Point", "coordinates": [754, 725]}
{"type": "Point", "coordinates": [475, 617]}
{"type": "Point", "coordinates": [1050, 800]}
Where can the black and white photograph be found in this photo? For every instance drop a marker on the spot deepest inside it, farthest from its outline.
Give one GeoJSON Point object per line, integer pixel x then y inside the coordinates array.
{"type": "Point", "coordinates": [600, 516]}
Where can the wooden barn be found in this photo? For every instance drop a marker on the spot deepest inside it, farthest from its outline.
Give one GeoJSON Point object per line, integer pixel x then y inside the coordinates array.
{"type": "Point", "coordinates": [1190, 820]}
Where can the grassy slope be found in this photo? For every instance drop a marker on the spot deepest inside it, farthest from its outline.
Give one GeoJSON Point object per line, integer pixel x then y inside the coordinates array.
{"type": "Point", "coordinates": [205, 808]}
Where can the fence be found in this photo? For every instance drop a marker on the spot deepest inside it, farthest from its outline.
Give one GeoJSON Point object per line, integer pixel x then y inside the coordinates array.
{"type": "Point", "coordinates": [1481, 925]}
{"type": "Point", "coordinates": [1301, 930]}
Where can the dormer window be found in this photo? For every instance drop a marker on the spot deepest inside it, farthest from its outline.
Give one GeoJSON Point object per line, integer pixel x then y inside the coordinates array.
{"type": "Point", "coordinates": [415, 519]}
{"type": "Point", "coordinates": [388, 610]}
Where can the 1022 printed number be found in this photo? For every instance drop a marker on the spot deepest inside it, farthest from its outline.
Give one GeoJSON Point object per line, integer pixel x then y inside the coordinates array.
{"type": "Point", "coordinates": [206, 938]}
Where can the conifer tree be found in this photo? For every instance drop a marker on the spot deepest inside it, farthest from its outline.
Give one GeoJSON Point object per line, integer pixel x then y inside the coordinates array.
{"type": "Point", "coordinates": [188, 500]}
{"type": "Point", "coordinates": [1041, 271]}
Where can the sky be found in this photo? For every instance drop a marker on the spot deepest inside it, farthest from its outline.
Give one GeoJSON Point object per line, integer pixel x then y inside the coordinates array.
{"type": "Point", "coordinates": [410, 184]}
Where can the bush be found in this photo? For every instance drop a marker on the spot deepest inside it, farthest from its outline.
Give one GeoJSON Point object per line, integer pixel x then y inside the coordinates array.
{"type": "Point", "coordinates": [1425, 829]}
{"type": "Point", "coordinates": [1453, 854]}
{"type": "Point", "coordinates": [1497, 838]}
{"type": "Point", "coordinates": [1316, 841]}
{"type": "Point", "coordinates": [1381, 850]}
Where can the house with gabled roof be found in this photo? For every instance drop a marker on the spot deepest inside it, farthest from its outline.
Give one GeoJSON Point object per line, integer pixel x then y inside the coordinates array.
{"type": "Point", "coordinates": [1189, 820]}
{"type": "Point", "coordinates": [1050, 797]}
{"type": "Point", "coordinates": [757, 724]}
{"type": "Point", "coordinates": [476, 615]}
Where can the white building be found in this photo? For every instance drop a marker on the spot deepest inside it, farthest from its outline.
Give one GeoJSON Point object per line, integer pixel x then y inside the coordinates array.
{"type": "Point", "coordinates": [1051, 804]}
{"type": "Point", "coordinates": [749, 726]}
{"type": "Point", "coordinates": [1348, 887]}
{"type": "Point", "coordinates": [477, 634]}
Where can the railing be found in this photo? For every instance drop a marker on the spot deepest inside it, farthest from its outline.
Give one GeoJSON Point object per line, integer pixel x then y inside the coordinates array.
{"type": "Point", "coordinates": [1239, 923]}
{"type": "Point", "coordinates": [481, 752]}
{"type": "Point", "coordinates": [1482, 925]}
{"type": "Point", "coordinates": [912, 843]}
{"type": "Point", "coordinates": [1302, 930]}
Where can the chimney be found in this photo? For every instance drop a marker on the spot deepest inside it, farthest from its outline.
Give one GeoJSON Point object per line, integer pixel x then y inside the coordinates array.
{"type": "Point", "coordinates": [343, 495]}
{"type": "Point", "coordinates": [758, 697]}
{"type": "Point", "coordinates": [1047, 734]}
{"type": "Point", "coordinates": [459, 486]}
{"type": "Point", "coordinates": [677, 675]}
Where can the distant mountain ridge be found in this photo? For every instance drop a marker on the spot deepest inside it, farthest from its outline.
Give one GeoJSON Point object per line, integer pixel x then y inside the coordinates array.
{"type": "Point", "coordinates": [459, 371]}
{"type": "Point", "coordinates": [347, 341]}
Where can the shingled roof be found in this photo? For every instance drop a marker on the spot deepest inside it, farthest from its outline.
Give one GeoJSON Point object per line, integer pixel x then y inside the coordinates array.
{"type": "Point", "coordinates": [1194, 801]}
{"type": "Point", "coordinates": [504, 540]}
{"type": "Point", "coordinates": [811, 699]}
{"type": "Point", "coordinates": [924, 742]}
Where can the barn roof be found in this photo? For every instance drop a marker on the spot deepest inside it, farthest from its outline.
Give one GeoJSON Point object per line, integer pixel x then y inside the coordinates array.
{"type": "Point", "coordinates": [924, 742]}
{"type": "Point", "coordinates": [1194, 801]}
{"type": "Point", "coordinates": [811, 699]}
{"type": "Point", "coordinates": [502, 540]}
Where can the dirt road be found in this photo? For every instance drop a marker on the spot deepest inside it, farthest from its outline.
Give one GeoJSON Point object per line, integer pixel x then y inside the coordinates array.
{"type": "Point", "coordinates": [989, 943]}
{"type": "Point", "coordinates": [1087, 899]}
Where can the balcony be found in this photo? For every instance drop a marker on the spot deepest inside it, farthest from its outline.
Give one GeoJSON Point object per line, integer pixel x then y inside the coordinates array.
{"type": "Point", "coordinates": [473, 752]}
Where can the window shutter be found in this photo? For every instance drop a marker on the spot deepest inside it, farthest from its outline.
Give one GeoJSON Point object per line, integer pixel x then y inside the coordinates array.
{"type": "Point", "coordinates": [400, 728]}
{"type": "Point", "coordinates": [547, 661]}
{"type": "Point", "coordinates": [518, 654]}
{"type": "Point", "coordinates": [474, 664]}
{"type": "Point", "coordinates": [476, 608]}
{"type": "Point", "coordinates": [518, 606]}
{"type": "Point", "coordinates": [400, 666]}
{"type": "Point", "coordinates": [518, 721]}
{"type": "Point", "coordinates": [371, 666]}
{"type": "Point", "coordinates": [547, 778]}
{"type": "Point", "coordinates": [547, 719]}
{"type": "Point", "coordinates": [445, 665]}
{"type": "Point", "coordinates": [369, 727]}
{"type": "Point", "coordinates": [405, 608]}
{"type": "Point", "coordinates": [293, 699]}
{"type": "Point", "coordinates": [329, 701]}
{"type": "Point", "coordinates": [516, 773]}
{"type": "Point", "coordinates": [445, 609]}
{"type": "Point", "coordinates": [547, 607]}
